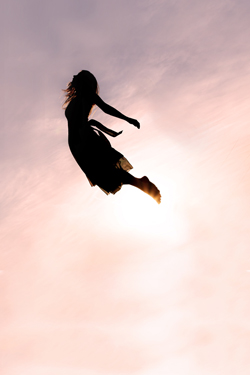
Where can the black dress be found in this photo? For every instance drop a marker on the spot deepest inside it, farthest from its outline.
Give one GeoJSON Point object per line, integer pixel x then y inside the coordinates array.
{"type": "Point", "coordinates": [93, 152]}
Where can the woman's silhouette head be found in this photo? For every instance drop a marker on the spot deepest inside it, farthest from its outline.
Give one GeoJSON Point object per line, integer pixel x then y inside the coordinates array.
{"type": "Point", "coordinates": [81, 85]}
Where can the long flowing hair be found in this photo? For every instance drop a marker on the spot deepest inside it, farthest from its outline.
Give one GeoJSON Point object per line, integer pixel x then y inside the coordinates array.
{"type": "Point", "coordinates": [82, 84]}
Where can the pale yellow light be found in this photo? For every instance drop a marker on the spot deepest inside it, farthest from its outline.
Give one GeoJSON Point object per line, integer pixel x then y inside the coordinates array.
{"type": "Point", "coordinates": [140, 214]}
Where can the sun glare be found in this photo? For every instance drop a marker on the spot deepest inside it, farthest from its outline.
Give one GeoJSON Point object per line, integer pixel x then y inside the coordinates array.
{"type": "Point", "coordinates": [140, 213]}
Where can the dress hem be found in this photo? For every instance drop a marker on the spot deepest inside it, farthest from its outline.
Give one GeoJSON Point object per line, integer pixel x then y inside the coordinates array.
{"type": "Point", "coordinates": [122, 163]}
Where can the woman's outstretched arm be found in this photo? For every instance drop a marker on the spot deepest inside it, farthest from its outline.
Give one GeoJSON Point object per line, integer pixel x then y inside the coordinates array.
{"type": "Point", "coordinates": [113, 112]}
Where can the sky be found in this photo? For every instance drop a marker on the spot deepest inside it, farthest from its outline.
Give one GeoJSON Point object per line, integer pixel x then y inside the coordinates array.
{"type": "Point", "coordinates": [118, 285]}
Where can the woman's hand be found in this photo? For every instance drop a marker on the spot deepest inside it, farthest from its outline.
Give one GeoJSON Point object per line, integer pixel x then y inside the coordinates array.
{"type": "Point", "coordinates": [134, 122]}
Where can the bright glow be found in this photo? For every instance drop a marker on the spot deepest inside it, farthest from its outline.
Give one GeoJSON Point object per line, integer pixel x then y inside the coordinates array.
{"type": "Point", "coordinates": [140, 213]}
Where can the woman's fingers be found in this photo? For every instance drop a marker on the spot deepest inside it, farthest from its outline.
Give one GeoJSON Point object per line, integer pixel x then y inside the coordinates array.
{"type": "Point", "coordinates": [136, 123]}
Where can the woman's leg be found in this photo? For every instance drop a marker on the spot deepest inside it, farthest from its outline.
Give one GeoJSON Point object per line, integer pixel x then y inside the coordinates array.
{"type": "Point", "coordinates": [143, 184]}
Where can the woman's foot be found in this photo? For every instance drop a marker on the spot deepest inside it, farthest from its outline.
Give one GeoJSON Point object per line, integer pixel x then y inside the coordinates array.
{"type": "Point", "coordinates": [149, 188]}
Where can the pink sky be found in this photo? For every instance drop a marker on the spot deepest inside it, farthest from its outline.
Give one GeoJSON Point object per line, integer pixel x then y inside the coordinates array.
{"type": "Point", "coordinates": [118, 285]}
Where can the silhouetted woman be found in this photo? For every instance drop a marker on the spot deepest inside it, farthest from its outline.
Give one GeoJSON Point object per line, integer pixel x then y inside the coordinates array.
{"type": "Point", "coordinates": [102, 164]}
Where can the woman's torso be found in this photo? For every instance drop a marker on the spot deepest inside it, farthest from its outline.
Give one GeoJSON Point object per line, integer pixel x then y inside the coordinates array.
{"type": "Point", "coordinates": [77, 113]}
